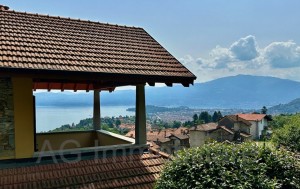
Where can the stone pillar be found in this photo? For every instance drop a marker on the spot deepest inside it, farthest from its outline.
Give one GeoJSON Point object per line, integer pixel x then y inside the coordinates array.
{"type": "Point", "coordinates": [7, 130]}
{"type": "Point", "coordinates": [140, 116]}
{"type": "Point", "coordinates": [96, 114]}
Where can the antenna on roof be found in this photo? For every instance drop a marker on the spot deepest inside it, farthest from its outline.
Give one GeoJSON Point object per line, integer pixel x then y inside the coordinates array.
{"type": "Point", "coordinates": [4, 8]}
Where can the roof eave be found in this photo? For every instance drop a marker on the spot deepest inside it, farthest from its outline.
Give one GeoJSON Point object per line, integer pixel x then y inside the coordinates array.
{"type": "Point", "coordinates": [119, 79]}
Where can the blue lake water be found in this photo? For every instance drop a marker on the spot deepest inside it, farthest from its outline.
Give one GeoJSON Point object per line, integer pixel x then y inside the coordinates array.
{"type": "Point", "coordinates": [48, 118]}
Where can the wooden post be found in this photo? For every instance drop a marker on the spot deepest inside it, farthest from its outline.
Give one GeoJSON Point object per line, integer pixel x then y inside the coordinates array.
{"type": "Point", "coordinates": [96, 113]}
{"type": "Point", "coordinates": [140, 116]}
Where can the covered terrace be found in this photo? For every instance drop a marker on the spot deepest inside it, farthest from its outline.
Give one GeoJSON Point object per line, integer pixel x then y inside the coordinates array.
{"type": "Point", "coordinates": [47, 52]}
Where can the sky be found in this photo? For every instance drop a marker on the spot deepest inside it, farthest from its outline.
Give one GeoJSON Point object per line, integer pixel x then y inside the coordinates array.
{"type": "Point", "coordinates": [212, 38]}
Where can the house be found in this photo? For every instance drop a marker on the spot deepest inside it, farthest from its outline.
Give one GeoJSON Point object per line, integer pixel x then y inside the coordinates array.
{"type": "Point", "coordinates": [258, 123]}
{"type": "Point", "coordinates": [229, 128]}
{"type": "Point", "coordinates": [55, 53]}
{"type": "Point", "coordinates": [167, 140]}
{"type": "Point", "coordinates": [199, 134]}
{"type": "Point", "coordinates": [236, 124]}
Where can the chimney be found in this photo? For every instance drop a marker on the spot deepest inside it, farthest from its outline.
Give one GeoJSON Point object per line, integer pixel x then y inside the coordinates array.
{"type": "Point", "coordinates": [4, 8]}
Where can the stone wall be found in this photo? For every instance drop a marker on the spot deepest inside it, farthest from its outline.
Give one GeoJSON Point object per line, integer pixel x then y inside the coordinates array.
{"type": "Point", "coordinates": [7, 137]}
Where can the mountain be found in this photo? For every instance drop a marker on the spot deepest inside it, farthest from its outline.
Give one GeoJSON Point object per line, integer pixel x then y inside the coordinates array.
{"type": "Point", "coordinates": [241, 91]}
{"type": "Point", "coordinates": [289, 108]}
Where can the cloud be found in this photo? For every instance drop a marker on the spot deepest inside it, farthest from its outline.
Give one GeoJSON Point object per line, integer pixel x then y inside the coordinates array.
{"type": "Point", "coordinates": [278, 59]}
{"type": "Point", "coordinates": [221, 57]}
{"type": "Point", "coordinates": [282, 54]}
{"type": "Point", "coordinates": [245, 48]}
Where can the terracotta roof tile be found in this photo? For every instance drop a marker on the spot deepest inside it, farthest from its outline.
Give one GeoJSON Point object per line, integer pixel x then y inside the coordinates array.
{"type": "Point", "coordinates": [236, 118]}
{"type": "Point", "coordinates": [141, 170]}
{"type": "Point", "coordinates": [32, 41]}
{"type": "Point", "coordinates": [204, 127]}
{"type": "Point", "coordinates": [252, 117]}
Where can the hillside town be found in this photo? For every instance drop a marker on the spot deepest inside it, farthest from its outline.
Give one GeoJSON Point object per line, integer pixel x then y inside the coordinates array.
{"type": "Point", "coordinates": [230, 128]}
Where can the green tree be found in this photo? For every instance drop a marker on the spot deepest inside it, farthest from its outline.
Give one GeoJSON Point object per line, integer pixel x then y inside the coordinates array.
{"type": "Point", "coordinates": [279, 121]}
{"type": "Point", "coordinates": [118, 123]}
{"type": "Point", "coordinates": [216, 116]}
{"type": "Point", "coordinates": [264, 110]}
{"type": "Point", "coordinates": [219, 165]}
{"type": "Point", "coordinates": [195, 119]}
{"type": "Point", "coordinates": [289, 134]}
{"type": "Point", "coordinates": [205, 116]}
{"type": "Point", "coordinates": [219, 115]}
{"type": "Point", "coordinates": [176, 124]}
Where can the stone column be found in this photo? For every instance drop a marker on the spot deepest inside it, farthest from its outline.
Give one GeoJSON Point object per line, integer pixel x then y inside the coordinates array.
{"type": "Point", "coordinates": [140, 116]}
{"type": "Point", "coordinates": [7, 130]}
{"type": "Point", "coordinates": [96, 114]}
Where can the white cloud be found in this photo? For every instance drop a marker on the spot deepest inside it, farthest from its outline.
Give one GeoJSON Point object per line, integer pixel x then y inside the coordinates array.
{"type": "Point", "coordinates": [278, 59]}
{"type": "Point", "coordinates": [245, 48]}
{"type": "Point", "coordinates": [282, 54]}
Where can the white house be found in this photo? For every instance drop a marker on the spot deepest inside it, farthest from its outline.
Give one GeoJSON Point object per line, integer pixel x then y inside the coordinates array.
{"type": "Point", "coordinates": [258, 123]}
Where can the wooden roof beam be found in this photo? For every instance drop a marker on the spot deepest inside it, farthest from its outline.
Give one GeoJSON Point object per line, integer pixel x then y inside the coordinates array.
{"type": "Point", "coordinates": [75, 87]}
{"type": "Point", "coordinates": [49, 87]}
{"type": "Point", "coordinates": [169, 84]}
{"type": "Point", "coordinates": [152, 84]}
{"type": "Point", "coordinates": [111, 89]}
{"type": "Point", "coordinates": [185, 84]}
{"type": "Point", "coordinates": [62, 87]}
{"type": "Point", "coordinates": [34, 86]}
{"type": "Point", "coordinates": [88, 87]}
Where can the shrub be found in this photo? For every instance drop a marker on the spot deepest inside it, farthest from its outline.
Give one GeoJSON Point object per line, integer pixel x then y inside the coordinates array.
{"type": "Point", "coordinates": [218, 165]}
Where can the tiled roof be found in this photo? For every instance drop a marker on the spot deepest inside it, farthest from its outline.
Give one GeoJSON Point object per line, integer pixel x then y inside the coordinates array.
{"type": "Point", "coordinates": [226, 129]}
{"type": "Point", "coordinates": [181, 130]}
{"type": "Point", "coordinates": [39, 42]}
{"type": "Point", "coordinates": [163, 135]}
{"type": "Point", "coordinates": [180, 136]}
{"type": "Point", "coordinates": [244, 134]}
{"type": "Point", "coordinates": [204, 127]}
{"type": "Point", "coordinates": [236, 118]}
{"type": "Point", "coordinates": [132, 171]}
{"type": "Point", "coordinates": [252, 117]}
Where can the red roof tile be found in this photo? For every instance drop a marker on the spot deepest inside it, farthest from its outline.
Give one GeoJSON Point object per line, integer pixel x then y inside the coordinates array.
{"type": "Point", "coordinates": [204, 127]}
{"type": "Point", "coordinates": [252, 117]}
{"type": "Point", "coordinates": [236, 118]}
{"type": "Point", "coordinates": [137, 171]}
{"type": "Point", "coordinates": [39, 42]}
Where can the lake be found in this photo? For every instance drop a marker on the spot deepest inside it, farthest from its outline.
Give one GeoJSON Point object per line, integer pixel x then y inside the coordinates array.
{"type": "Point", "coordinates": [48, 118]}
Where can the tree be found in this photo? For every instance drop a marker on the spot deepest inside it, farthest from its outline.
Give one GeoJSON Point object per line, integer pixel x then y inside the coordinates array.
{"type": "Point", "coordinates": [219, 115]}
{"type": "Point", "coordinates": [264, 110]}
{"type": "Point", "coordinates": [195, 119]}
{"type": "Point", "coordinates": [289, 134]}
{"type": "Point", "coordinates": [279, 121]}
{"type": "Point", "coordinates": [219, 165]}
{"type": "Point", "coordinates": [176, 124]}
{"type": "Point", "coordinates": [205, 117]}
{"type": "Point", "coordinates": [118, 123]}
{"type": "Point", "coordinates": [215, 117]}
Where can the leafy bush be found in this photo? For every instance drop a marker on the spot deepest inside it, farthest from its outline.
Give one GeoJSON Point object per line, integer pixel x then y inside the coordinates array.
{"type": "Point", "coordinates": [289, 134]}
{"type": "Point", "coordinates": [218, 165]}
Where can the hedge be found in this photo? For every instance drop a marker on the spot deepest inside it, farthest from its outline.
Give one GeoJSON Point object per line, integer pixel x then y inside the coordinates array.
{"type": "Point", "coordinates": [219, 165]}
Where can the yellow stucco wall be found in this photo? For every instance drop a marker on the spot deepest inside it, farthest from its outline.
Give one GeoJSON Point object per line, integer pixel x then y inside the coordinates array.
{"type": "Point", "coordinates": [23, 117]}
{"type": "Point", "coordinates": [66, 140]}
{"type": "Point", "coordinates": [106, 140]}
{"type": "Point", "coordinates": [71, 140]}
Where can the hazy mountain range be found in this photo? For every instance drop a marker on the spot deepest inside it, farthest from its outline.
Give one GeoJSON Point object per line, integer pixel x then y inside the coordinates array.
{"type": "Point", "coordinates": [289, 108]}
{"type": "Point", "coordinates": [241, 91]}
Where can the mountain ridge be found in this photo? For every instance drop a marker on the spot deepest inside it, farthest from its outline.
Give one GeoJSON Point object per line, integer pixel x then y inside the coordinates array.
{"type": "Point", "coordinates": [240, 91]}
